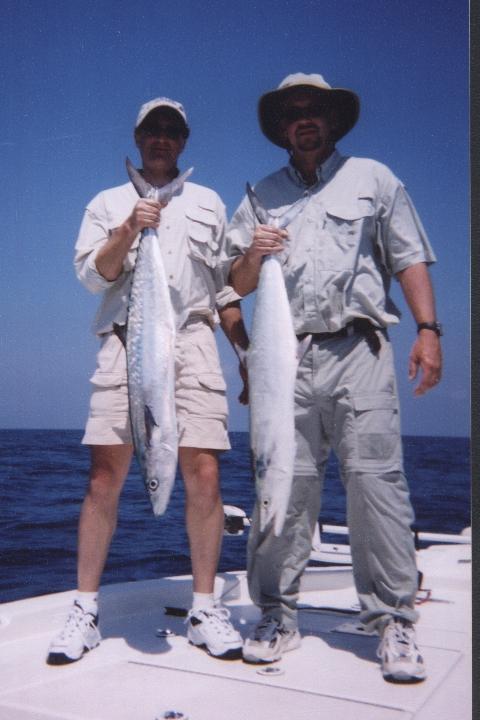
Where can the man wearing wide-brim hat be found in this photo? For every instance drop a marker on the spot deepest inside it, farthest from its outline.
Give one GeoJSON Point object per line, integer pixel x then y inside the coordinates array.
{"type": "Point", "coordinates": [357, 229]}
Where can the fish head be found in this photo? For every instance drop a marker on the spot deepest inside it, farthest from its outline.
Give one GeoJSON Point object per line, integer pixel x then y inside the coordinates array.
{"type": "Point", "coordinates": [273, 492]}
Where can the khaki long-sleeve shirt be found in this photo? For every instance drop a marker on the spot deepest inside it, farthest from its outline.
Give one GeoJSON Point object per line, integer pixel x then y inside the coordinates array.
{"type": "Point", "coordinates": [191, 237]}
{"type": "Point", "coordinates": [358, 228]}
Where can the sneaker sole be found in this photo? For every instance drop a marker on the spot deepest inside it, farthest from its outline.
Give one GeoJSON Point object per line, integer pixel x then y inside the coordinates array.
{"type": "Point", "coordinates": [404, 678]}
{"type": "Point", "coordinates": [62, 659]}
{"type": "Point", "coordinates": [252, 660]}
{"type": "Point", "coordinates": [54, 658]}
{"type": "Point", "coordinates": [232, 654]}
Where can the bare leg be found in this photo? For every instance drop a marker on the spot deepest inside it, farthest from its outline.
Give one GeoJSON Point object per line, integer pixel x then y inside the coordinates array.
{"type": "Point", "coordinates": [98, 517]}
{"type": "Point", "coordinates": [204, 514]}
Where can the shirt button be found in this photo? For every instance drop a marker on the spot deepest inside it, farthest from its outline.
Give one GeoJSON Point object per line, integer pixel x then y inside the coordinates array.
{"type": "Point", "coordinates": [170, 277]}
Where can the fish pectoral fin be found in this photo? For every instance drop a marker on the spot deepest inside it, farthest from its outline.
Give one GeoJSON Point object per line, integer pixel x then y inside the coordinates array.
{"type": "Point", "coordinates": [149, 419]}
{"type": "Point", "coordinates": [150, 423]}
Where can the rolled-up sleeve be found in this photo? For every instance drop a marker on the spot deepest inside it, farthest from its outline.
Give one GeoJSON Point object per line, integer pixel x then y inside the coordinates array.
{"type": "Point", "coordinates": [401, 237]}
{"type": "Point", "coordinates": [239, 235]}
{"type": "Point", "coordinates": [225, 293]}
{"type": "Point", "coordinates": [93, 234]}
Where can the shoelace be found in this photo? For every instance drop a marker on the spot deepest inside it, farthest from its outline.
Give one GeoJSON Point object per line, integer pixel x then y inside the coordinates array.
{"type": "Point", "coordinates": [267, 628]}
{"type": "Point", "coordinates": [74, 621]}
{"type": "Point", "coordinates": [400, 637]}
{"type": "Point", "coordinates": [219, 618]}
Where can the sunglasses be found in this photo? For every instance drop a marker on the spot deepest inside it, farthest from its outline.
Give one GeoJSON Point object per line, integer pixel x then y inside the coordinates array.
{"type": "Point", "coordinates": [173, 132]}
{"type": "Point", "coordinates": [293, 113]}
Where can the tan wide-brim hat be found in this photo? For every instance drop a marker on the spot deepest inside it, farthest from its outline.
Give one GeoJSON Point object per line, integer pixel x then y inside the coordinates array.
{"type": "Point", "coordinates": [271, 105]}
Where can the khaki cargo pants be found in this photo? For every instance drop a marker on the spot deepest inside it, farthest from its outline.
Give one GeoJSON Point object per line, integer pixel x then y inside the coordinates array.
{"type": "Point", "coordinates": [345, 399]}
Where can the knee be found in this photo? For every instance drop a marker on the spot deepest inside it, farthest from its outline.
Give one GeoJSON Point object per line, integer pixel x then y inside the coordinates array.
{"type": "Point", "coordinates": [104, 486]}
{"type": "Point", "coordinates": [203, 488]}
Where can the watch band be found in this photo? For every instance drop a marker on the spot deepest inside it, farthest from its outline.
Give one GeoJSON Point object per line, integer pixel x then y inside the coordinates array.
{"type": "Point", "coordinates": [434, 326]}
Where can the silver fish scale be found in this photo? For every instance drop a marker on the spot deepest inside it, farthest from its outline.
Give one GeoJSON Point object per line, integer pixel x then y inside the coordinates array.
{"type": "Point", "coordinates": [272, 367]}
{"type": "Point", "coordinates": [150, 346]}
{"type": "Point", "coordinates": [151, 373]}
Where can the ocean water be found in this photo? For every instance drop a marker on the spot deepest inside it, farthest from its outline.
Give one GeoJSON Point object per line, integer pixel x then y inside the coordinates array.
{"type": "Point", "coordinates": [43, 477]}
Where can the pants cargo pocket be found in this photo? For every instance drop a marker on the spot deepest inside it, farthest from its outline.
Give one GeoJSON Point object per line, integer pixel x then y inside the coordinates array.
{"type": "Point", "coordinates": [377, 426]}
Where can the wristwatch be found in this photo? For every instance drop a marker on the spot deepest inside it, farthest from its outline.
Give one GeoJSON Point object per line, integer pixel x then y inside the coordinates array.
{"type": "Point", "coordinates": [435, 326]}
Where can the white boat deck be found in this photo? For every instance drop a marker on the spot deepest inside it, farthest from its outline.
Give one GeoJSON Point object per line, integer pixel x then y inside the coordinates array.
{"type": "Point", "coordinates": [136, 675]}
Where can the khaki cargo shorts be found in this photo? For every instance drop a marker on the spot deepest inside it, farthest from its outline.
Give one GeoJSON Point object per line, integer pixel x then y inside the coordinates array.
{"type": "Point", "coordinates": [200, 392]}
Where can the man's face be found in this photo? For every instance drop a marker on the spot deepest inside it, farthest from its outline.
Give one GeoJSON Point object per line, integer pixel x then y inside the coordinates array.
{"type": "Point", "coordinates": [160, 140]}
{"type": "Point", "coordinates": [306, 124]}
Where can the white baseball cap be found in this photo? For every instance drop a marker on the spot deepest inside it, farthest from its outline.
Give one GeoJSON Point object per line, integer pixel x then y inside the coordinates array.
{"type": "Point", "coordinates": [159, 102]}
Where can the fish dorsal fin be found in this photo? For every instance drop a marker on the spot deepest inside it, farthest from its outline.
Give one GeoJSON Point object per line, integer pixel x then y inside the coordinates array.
{"type": "Point", "coordinates": [145, 190]}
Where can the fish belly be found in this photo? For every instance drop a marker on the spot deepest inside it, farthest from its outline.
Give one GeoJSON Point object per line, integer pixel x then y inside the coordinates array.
{"type": "Point", "coordinates": [151, 374]}
{"type": "Point", "coordinates": [272, 365]}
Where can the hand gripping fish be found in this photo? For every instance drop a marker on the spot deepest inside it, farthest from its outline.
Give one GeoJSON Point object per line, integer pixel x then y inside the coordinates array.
{"type": "Point", "coordinates": [150, 346]}
{"type": "Point", "coordinates": [272, 359]}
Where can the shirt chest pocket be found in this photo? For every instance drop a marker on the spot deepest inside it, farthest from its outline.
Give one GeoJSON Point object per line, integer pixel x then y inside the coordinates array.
{"type": "Point", "coordinates": [202, 226]}
{"type": "Point", "coordinates": [346, 221]}
{"type": "Point", "coordinates": [345, 225]}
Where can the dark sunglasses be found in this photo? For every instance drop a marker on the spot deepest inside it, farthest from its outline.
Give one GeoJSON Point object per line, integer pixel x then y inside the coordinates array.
{"type": "Point", "coordinates": [293, 113]}
{"type": "Point", "coordinates": [173, 132]}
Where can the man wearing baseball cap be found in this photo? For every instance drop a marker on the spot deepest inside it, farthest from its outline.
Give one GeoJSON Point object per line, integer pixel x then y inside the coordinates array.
{"type": "Point", "coordinates": [190, 231]}
{"type": "Point", "coordinates": [357, 230]}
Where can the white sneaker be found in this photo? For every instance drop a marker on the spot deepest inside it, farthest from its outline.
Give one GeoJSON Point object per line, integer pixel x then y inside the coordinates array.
{"type": "Point", "coordinates": [269, 640]}
{"type": "Point", "coordinates": [79, 635]}
{"type": "Point", "coordinates": [399, 654]}
{"type": "Point", "coordinates": [212, 630]}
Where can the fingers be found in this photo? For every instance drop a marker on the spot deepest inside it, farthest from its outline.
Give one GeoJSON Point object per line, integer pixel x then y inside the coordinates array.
{"type": "Point", "coordinates": [146, 213]}
{"type": "Point", "coordinates": [268, 240]}
{"type": "Point", "coordinates": [426, 356]}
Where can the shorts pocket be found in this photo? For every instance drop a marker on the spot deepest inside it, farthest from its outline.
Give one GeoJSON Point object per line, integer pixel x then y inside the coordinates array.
{"type": "Point", "coordinates": [212, 381]}
{"type": "Point", "coordinates": [377, 426]}
{"type": "Point", "coordinates": [108, 379]}
{"type": "Point", "coordinates": [111, 368]}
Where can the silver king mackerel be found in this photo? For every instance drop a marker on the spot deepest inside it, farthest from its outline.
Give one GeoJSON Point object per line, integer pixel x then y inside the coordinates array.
{"type": "Point", "coordinates": [272, 360]}
{"type": "Point", "coordinates": [150, 348]}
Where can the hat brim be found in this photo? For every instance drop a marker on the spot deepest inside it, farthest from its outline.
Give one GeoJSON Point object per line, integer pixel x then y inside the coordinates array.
{"type": "Point", "coordinates": [271, 109]}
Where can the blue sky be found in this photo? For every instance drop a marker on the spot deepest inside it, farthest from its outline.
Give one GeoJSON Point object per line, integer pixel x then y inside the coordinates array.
{"type": "Point", "coordinates": [73, 77]}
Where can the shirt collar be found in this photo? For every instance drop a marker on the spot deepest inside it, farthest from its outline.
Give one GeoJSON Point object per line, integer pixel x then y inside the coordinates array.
{"type": "Point", "coordinates": [324, 171]}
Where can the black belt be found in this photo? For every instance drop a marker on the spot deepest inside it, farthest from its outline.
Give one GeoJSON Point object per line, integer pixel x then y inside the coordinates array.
{"type": "Point", "coordinates": [360, 326]}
